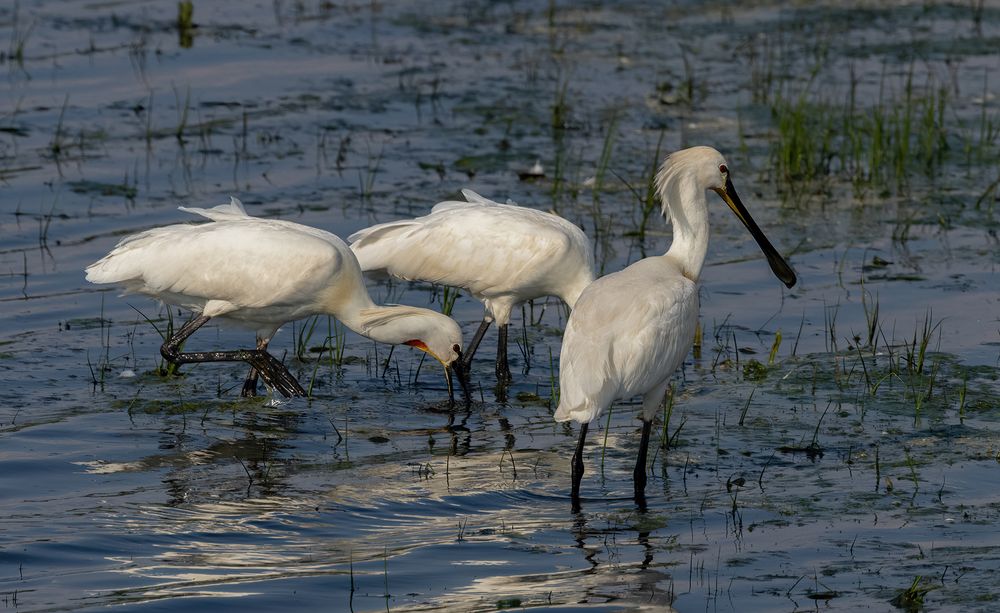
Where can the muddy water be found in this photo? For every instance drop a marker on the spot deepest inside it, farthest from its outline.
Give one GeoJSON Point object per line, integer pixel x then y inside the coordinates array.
{"type": "Point", "coordinates": [833, 476]}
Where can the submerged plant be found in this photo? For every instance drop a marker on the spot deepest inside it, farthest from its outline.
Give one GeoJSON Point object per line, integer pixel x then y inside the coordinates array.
{"type": "Point", "coordinates": [18, 37]}
{"type": "Point", "coordinates": [912, 598]}
{"type": "Point", "coordinates": [185, 23]}
{"type": "Point", "coordinates": [877, 145]}
{"type": "Point", "coordinates": [367, 180]}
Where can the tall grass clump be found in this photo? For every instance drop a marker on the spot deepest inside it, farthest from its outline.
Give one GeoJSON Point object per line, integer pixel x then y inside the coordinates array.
{"type": "Point", "coordinates": [880, 145]}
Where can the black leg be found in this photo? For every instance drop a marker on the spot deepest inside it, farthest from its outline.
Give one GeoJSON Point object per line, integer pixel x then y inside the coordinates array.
{"type": "Point", "coordinates": [474, 343]}
{"type": "Point", "coordinates": [577, 467]}
{"type": "Point", "coordinates": [503, 369]}
{"type": "Point", "coordinates": [458, 370]}
{"type": "Point", "coordinates": [270, 369]}
{"type": "Point", "coordinates": [171, 347]}
{"type": "Point", "coordinates": [639, 474]}
{"type": "Point", "coordinates": [250, 385]}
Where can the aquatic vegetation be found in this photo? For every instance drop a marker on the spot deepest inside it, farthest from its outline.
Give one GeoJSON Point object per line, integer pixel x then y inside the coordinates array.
{"type": "Point", "coordinates": [807, 451]}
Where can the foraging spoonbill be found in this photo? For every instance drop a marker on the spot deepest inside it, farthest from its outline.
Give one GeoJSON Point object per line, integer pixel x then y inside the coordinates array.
{"type": "Point", "coordinates": [630, 330]}
{"type": "Point", "coordinates": [503, 254]}
{"type": "Point", "coordinates": [261, 274]}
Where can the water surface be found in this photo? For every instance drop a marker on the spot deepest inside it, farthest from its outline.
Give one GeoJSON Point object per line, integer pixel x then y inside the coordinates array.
{"type": "Point", "coordinates": [831, 477]}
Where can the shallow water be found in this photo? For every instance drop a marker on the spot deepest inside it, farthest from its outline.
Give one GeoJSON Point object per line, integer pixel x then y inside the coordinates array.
{"type": "Point", "coordinates": [831, 478]}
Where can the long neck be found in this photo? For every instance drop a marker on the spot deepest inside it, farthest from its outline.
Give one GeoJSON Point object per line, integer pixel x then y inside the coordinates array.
{"type": "Point", "coordinates": [348, 300]}
{"type": "Point", "coordinates": [393, 324]}
{"type": "Point", "coordinates": [399, 324]}
{"type": "Point", "coordinates": [572, 290]}
{"type": "Point", "coordinates": [685, 202]}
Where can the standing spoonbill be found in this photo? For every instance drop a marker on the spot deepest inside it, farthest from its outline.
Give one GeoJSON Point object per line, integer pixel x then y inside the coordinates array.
{"type": "Point", "coordinates": [261, 274]}
{"type": "Point", "coordinates": [630, 330]}
{"type": "Point", "coordinates": [503, 254]}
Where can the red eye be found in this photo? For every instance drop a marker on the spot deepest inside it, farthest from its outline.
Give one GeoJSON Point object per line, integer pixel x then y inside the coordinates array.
{"type": "Point", "coordinates": [723, 169]}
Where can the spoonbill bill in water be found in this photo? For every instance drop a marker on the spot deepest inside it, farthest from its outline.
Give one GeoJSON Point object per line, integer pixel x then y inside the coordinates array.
{"type": "Point", "coordinates": [502, 254]}
{"type": "Point", "coordinates": [261, 274]}
{"type": "Point", "coordinates": [630, 330]}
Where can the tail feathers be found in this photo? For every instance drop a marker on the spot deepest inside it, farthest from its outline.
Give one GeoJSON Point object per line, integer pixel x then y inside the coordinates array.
{"type": "Point", "coordinates": [223, 212]}
{"type": "Point", "coordinates": [472, 199]}
{"type": "Point", "coordinates": [129, 259]}
{"type": "Point", "coordinates": [109, 270]}
{"type": "Point", "coordinates": [368, 236]}
{"type": "Point", "coordinates": [375, 246]}
{"type": "Point", "coordinates": [580, 412]}
{"type": "Point", "coordinates": [475, 198]}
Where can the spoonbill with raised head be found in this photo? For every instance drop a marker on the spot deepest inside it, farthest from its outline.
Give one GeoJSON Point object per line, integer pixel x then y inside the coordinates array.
{"type": "Point", "coordinates": [630, 330]}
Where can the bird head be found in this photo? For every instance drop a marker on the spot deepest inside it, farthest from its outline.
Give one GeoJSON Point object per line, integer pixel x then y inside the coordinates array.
{"type": "Point", "coordinates": [441, 338]}
{"type": "Point", "coordinates": [709, 170]}
{"type": "Point", "coordinates": [429, 331]}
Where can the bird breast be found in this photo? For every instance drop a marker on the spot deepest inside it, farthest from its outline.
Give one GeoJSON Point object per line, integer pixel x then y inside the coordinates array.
{"type": "Point", "coordinates": [628, 332]}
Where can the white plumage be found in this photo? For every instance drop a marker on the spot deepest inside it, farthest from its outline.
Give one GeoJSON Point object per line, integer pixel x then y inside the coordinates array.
{"type": "Point", "coordinates": [503, 254]}
{"type": "Point", "coordinates": [260, 274]}
{"type": "Point", "coordinates": [630, 330]}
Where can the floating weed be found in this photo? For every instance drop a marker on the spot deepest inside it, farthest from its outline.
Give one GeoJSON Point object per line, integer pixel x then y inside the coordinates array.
{"type": "Point", "coordinates": [871, 316]}
{"type": "Point", "coordinates": [302, 335]}
{"type": "Point", "coordinates": [607, 148]}
{"type": "Point", "coordinates": [185, 23]}
{"type": "Point", "coordinates": [385, 576]}
{"type": "Point", "coordinates": [509, 603]}
{"type": "Point", "coordinates": [754, 370]}
{"type": "Point", "coordinates": [774, 348]}
{"type": "Point", "coordinates": [553, 382]}
{"type": "Point", "coordinates": [19, 34]}
{"type": "Point", "coordinates": [604, 446]}
{"type": "Point", "coordinates": [981, 148]}
{"type": "Point", "coordinates": [367, 181]}
{"type": "Point", "coordinates": [647, 199]}
{"type": "Point", "coordinates": [912, 598]}
{"type": "Point", "coordinates": [814, 444]}
{"type": "Point", "coordinates": [597, 183]}
{"type": "Point", "coordinates": [830, 320]}
{"type": "Point", "coordinates": [913, 470]}
{"type": "Point", "coordinates": [962, 394]}
{"type": "Point", "coordinates": [57, 145]}
{"type": "Point", "coordinates": [350, 564]}
{"type": "Point", "coordinates": [746, 406]}
{"type": "Point", "coordinates": [127, 189]}
{"type": "Point", "coordinates": [560, 109]}
{"type": "Point", "coordinates": [916, 351]}
{"type": "Point", "coordinates": [880, 144]}
{"type": "Point", "coordinates": [878, 468]}
{"type": "Point", "coordinates": [182, 112]}
{"type": "Point", "coordinates": [522, 344]}
{"type": "Point", "coordinates": [336, 339]}
{"type": "Point", "coordinates": [169, 369]}
{"type": "Point", "coordinates": [448, 297]}
{"type": "Point", "coordinates": [668, 411]}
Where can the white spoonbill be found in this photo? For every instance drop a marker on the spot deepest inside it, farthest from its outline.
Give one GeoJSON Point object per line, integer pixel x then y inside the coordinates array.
{"type": "Point", "coordinates": [630, 330]}
{"type": "Point", "coordinates": [262, 273]}
{"type": "Point", "coordinates": [503, 254]}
